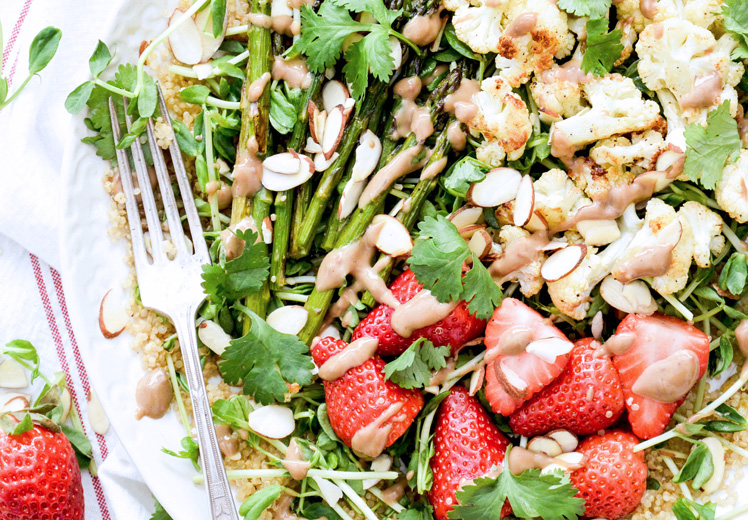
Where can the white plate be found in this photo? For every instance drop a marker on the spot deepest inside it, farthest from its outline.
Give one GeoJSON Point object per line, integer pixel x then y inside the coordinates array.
{"type": "Point", "coordinates": [91, 265]}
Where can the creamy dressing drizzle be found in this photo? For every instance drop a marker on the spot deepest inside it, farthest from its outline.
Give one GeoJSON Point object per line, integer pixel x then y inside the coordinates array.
{"type": "Point", "coordinates": [153, 394]}
{"type": "Point", "coordinates": [257, 87]}
{"type": "Point", "coordinates": [441, 375]}
{"type": "Point", "coordinates": [371, 440]}
{"type": "Point", "coordinates": [434, 169]}
{"type": "Point", "coordinates": [247, 171]}
{"type": "Point", "coordinates": [521, 25]}
{"type": "Point", "coordinates": [617, 344]}
{"type": "Point", "coordinates": [355, 354]}
{"type": "Point", "coordinates": [519, 254]}
{"type": "Point", "coordinates": [669, 379]}
{"type": "Point", "coordinates": [232, 244]}
{"type": "Point", "coordinates": [707, 91]}
{"type": "Point", "coordinates": [395, 492]}
{"type": "Point", "coordinates": [294, 461]}
{"type": "Point", "coordinates": [648, 8]}
{"type": "Point", "coordinates": [410, 117]}
{"type": "Point", "coordinates": [571, 71]}
{"type": "Point", "coordinates": [294, 72]}
{"type": "Point", "coordinates": [460, 102]}
{"type": "Point", "coordinates": [404, 163]}
{"type": "Point", "coordinates": [456, 136]}
{"type": "Point", "coordinates": [420, 311]}
{"type": "Point", "coordinates": [220, 191]}
{"type": "Point", "coordinates": [653, 261]}
{"type": "Point", "coordinates": [227, 443]}
{"type": "Point", "coordinates": [423, 29]}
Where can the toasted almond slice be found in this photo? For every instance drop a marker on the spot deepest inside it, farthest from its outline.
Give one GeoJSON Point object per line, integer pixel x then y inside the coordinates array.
{"type": "Point", "coordinates": [544, 445]}
{"type": "Point", "coordinates": [286, 163]}
{"type": "Point", "coordinates": [660, 178]}
{"type": "Point", "coordinates": [280, 8]}
{"type": "Point", "coordinates": [280, 182]}
{"type": "Point", "coordinates": [289, 319]}
{"type": "Point", "coordinates": [331, 331]}
{"type": "Point", "coordinates": [348, 108]}
{"type": "Point", "coordinates": [476, 380]}
{"type": "Point", "coordinates": [312, 146]}
{"type": "Point", "coordinates": [537, 222]}
{"type": "Point", "coordinates": [186, 41]}
{"type": "Point", "coordinates": [213, 336]}
{"type": "Point", "coordinates": [393, 238]}
{"type": "Point", "coordinates": [14, 402]}
{"type": "Point", "coordinates": [203, 70]}
{"type": "Point", "coordinates": [468, 231]}
{"type": "Point", "coordinates": [548, 349]}
{"type": "Point", "coordinates": [667, 159]}
{"type": "Point", "coordinates": [554, 245]}
{"type": "Point", "coordinates": [567, 440]}
{"type": "Point", "coordinates": [368, 153]}
{"type": "Point", "coordinates": [334, 126]}
{"type": "Point", "coordinates": [524, 203]}
{"type": "Point", "coordinates": [321, 163]}
{"type": "Point", "coordinates": [396, 53]}
{"type": "Point", "coordinates": [67, 402]}
{"type": "Point", "coordinates": [113, 315]}
{"type": "Point", "coordinates": [632, 297]}
{"type": "Point", "coordinates": [12, 374]}
{"type": "Point", "coordinates": [599, 232]}
{"type": "Point", "coordinates": [334, 93]}
{"type": "Point", "coordinates": [596, 326]}
{"type": "Point", "coordinates": [381, 463]}
{"type": "Point", "coordinates": [315, 129]}
{"type": "Point", "coordinates": [717, 451]}
{"type": "Point", "coordinates": [466, 216]}
{"type": "Point", "coordinates": [329, 491]}
{"type": "Point", "coordinates": [349, 198]}
{"type": "Point", "coordinates": [511, 378]}
{"type": "Point", "coordinates": [499, 186]}
{"type": "Point", "coordinates": [209, 44]}
{"type": "Point", "coordinates": [272, 421]}
{"type": "Point", "coordinates": [561, 263]}
{"type": "Point", "coordinates": [96, 415]}
{"type": "Point", "coordinates": [480, 243]}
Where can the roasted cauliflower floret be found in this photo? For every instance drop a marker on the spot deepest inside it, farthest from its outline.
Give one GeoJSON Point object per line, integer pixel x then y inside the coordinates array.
{"type": "Point", "coordinates": [732, 189]}
{"type": "Point", "coordinates": [557, 92]}
{"type": "Point", "coordinates": [706, 229]}
{"type": "Point", "coordinates": [631, 10]}
{"type": "Point", "coordinates": [556, 197]}
{"type": "Point", "coordinates": [687, 60]}
{"type": "Point", "coordinates": [640, 151]}
{"type": "Point", "coordinates": [596, 180]}
{"type": "Point", "coordinates": [480, 27]}
{"type": "Point", "coordinates": [528, 276]}
{"type": "Point", "coordinates": [676, 121]}
{"type": "Point", "coordinates": [617, 108]}
{"type": "Point", "coordinates": [536, 32]}
{"type": "Point", "coordinates": [703, 13]}
{"type": "Point", "coordinates": [502, 118]}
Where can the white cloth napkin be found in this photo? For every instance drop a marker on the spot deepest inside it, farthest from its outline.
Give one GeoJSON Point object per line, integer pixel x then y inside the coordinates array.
{"type": "Point", "coordinates": [32, 136]}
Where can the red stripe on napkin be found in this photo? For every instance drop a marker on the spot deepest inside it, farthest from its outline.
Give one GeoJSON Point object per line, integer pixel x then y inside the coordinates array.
{"type": "Point", "coordinates": [16, 30]}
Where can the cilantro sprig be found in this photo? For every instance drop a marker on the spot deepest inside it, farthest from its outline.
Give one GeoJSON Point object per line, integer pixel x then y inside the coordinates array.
{"type": "Point", "coordinates": [414, 367]}
{"type": "Point", "coordinates": [531, 495]}
{"type": "Point", "coordinates": [323, 34]}
{"type": "Point", "coordinates": [437, 259]}
{"type": "Point", "coordinates": [735, 13]}
{"type": "Point", "coordinates": [591, 8]}
{"type": "Point", "coordinates": [603, 47]}
{"type": "Point", "coordinates": [241, 276]}
{"type": "Point", "coordinates": [708, 149]}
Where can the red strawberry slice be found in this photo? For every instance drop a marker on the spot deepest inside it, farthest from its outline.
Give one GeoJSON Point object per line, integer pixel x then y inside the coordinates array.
{"type": "Point", "coordinates": [613, 478]}
{"type": "Point", "coordinates": [467, 444]}
{"type": "Point", "coordinates": [524, 353]}
{"type": "Point", "coordinates": [654, 388]}
{"type": "Point", "coordinates": [586, 397]}
{"type": "Point", "coordinates": [362, 401]}
{"type": "Point", "coordinates": [455, 330]}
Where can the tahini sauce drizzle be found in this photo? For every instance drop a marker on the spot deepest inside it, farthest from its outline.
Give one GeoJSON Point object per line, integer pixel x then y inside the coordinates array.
{"type": "Point", "coordinates": [404, 163]}
{"type": "Point", "coordinates": [294, 461]}
{"type": "Point", "coordinates": [247, 171]}
{"type": "Point", "coordinates": [153, 394]}
{"type": "Point", "coordinates": [232, 244]}
{"type": "Point", "coordinates": [420, 311]}
{"type": "Point", "coordinates": [648, 8]}
{"type": "Point", "coordinates": [410, 117]}
{"type": "Point", "coordinates": [460, 102]}
{"type": "Point", "coordinates": [669, 379]}
{"type": "Point", "coordinates": [456, 136]}
{"type": "Point", "coordinates": [651, 261]}
{"type": "Point", "coordinates": [355, 354]}
{"type": "Point", "coordinates": [371, 440]}
{"type": "Point", "coordinates": [519, 254]}
{"type": "Point", "coordinates": [227, 443]}
{"type": "Point", "coordinates": [423, 29]}
{"type": "Point", "coordinates": [257, 87]}
{"type": "Point", "coordinates": [707, 91]}
{"type": "Point", "coordinates": [294, 72]}
{"type": "Point", "coordinates": [521, 25]}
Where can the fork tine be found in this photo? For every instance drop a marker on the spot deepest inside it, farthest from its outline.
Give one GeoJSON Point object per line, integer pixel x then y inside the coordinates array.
{"type": "Point", "coordinates": [188, 199]}
{"type": "Point", "coordinates": [131, 203]}
{"type": "Point", "coordinates": [167, 193]}
{"type": "Point", "coordinates": [146, 195]}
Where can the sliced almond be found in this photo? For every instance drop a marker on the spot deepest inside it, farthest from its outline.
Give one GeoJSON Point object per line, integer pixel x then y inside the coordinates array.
{"type": "Point", "coordinates": [286, 163]}
{"type": "Point", "coordinates": [510, 380]}
{"type": "Point", "coordinates": [334, 126]}
{"type": "Point", "coordinates": [599, 232]}
{"type": "Point", "coordinates": [209, 44]}
{"type": "Point", "coordinates": [548, 349]}
{"type": "Point", "coordinates": [96, 415]}
{"type": "Point", "coordinates": [667, 159]}
{"type": "Point", "coordinates": [321, 163]}
{"type": "Point", "coordinates": [499, 186]}
{"type": "Point", "coordinates": [567, 440]}
{"type": "Point", "coordinates": [272, 421]}
{"type": "Point", "coordinates": [572, 459]}
{"type": "Point", "coordinates": [312, 146]}
{"type": "Point", "coordinates": [368, 153]}
{"type": "Point", "coordinates": [113, 315]}
{"type": "Point", "coordinates": [289, 319]}
{"type": "Point", "coordinates": [203, 70]}
{"type": "Point", "coordinates": [12, 374]}
{"type": "Point", "coordinates": [554, 245]}
{"type": "Point", "coordinates": [396, 53]}
{"type": "Point", "coordinates": [381, 463]}
{"type": "Point", "coordinates": [331, 331]}
{"type": "Point", "coordinates": [393, 238]}
{"type": "Point", "coordinates": [480, 243]}
{"type": "Point", "coordinates": [596, 326]}
{"type": "Point", "coordinates": [537, 222]}
{"type": "Point", "coordinates": [274, 181]}
{"type": "Point", "coordinates": [186, 41]}
{"type": "Point", "coordinates": [524, 203]}
{"type": "Point", "coordinates": [67, 403]}
{"type": "Point", "coordinates": [267, 230]}
{"type": "Point", "coordinates": [329, 491]}
{"type": "Point", "coordinates": [466, 216]}
{"type": "Point", "coordinates": [717, 451]}
{"type": "Point", "coordinates": [14, 402]}
{"type": "Point", "coordinates": [213, 336]}
{"type": "Point", "coordinates": [334, 93]}
{"type": "Point", "coordinates": [660, 178]}
{"type": "Point", "coordinates": [633, 297]}
{"type": "Point", "coordinates": [476, 380]}
{"type": "Point", "coordinates": [544, 445]}
{"type": "Point", "coordinates": [468, 231]}
{"type": "Point", "coordinates": [563, 262]}
{"type": "Point", "coordinates": [316, 122]}
{"type": "Point", "coordinates": [349, 198]}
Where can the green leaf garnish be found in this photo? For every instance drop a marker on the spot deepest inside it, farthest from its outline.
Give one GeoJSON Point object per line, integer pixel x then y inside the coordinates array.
{"type": "Point", "coordinates": [259, 501]}
{"type": "Point", "coordinates": [43, 49]}
{"type": "Point", "coordinates": [463, 174]}
{"type": "Point", "coordinates": [708, 149]}
{"type": "Point", "coordinates": [414, 367]}
{"type": "Point", "coordinates": [590, 8]}
{"type": "Point", "coordinates": [685, 509]}
{"type": "Point", "coordinates": [698, 467]}
{"type": "Point", "coordinates": [241, 276]}
{"type": "Point", "coordinates": [603, 47]}
{"type": "Point", "coordinates": [735, 13]}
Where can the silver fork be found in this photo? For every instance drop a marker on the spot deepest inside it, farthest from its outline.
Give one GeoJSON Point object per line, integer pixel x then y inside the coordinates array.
{"type": "Point", "coordinates": [172, 287]}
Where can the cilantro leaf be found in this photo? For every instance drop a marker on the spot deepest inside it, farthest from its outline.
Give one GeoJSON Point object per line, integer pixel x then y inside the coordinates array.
{"type": "Point", "coordinates": [266, 361]}
{"type": "Point", "coordinates": [708, 149]}
{"type": "Point", "coordinates": [241, 276]}
{"type": "Point", "coordinates": [417, 511]}
{"type": "Point", "coordinates": [371, 54]}
{"type": "Point", "coordinates": [438, 256]}
{"type": "Point", "coordinates": [323, 33]}
{"type": "Point", "coordinates": [603, 47]}
{"type": "Point", "coordinates": [591, 8]}
{"type": "Point", "coordinates": [160, 513]}
{"type": "Point", "coordinates": [531, 495]}
{"type": "Point", "coordinates": [480, 290]}
{"type": "Point", "coordinates": [374, 7]}
{"type": "Point", "coordinates": [463, 174]}
{"type": "Point", "coordinates": [735, 14]}
{"type": "Point", "coordinates": [414, 367]}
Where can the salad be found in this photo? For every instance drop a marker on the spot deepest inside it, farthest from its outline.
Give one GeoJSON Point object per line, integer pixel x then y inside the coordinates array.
{"type": "Point", "coordinates": [470, 259]}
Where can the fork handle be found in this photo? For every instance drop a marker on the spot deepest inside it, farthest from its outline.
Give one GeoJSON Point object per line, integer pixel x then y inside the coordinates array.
{"type": "Point", "coordinates": [222, 505]}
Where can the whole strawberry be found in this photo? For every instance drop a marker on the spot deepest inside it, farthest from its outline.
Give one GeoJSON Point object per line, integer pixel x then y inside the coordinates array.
{"type": "Point", "coordinates": [39, 477]}
{"type": "Point", "coordinates": [613, 478]}
{"type": "Point", "coordinates": [586, 397]}
{"type": "Point", "coordinates": [458, 328]}
{"type": "Point", "coordinates": [367, 412]}
{"type": "Point", "coordinates": [467, 444]}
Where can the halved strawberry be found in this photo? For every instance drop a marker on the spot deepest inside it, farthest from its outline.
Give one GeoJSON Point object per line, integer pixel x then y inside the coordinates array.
{"type": "Point", "coordinates": [614, 478]}
{"type": "Point", "coordinates": [586, 397]}
{"type": "Point", "coordinates": [524, 353]}
{"type": "Point", "coordinates": [467, 444]}
{"type": "Point", "coordinates": [455, 330]}
{"type": "Point", "coordinates": [652, 400]}
{"type": "Point", "coordinates": [362, 401]}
